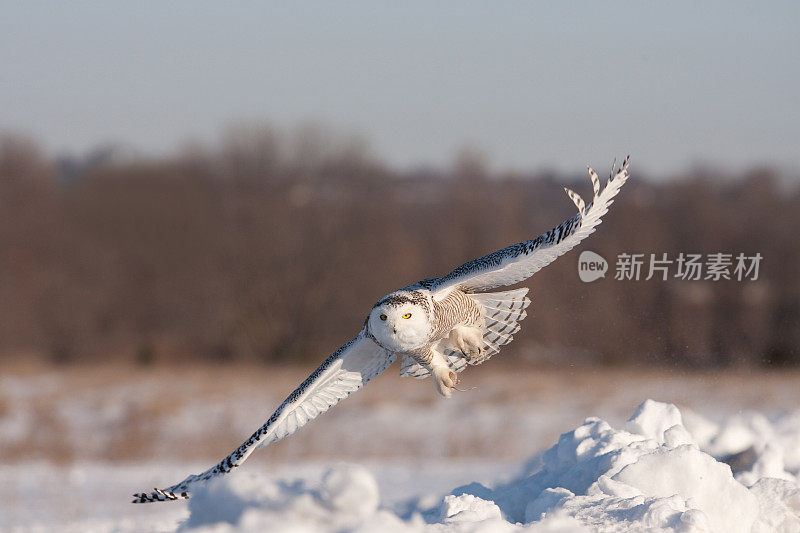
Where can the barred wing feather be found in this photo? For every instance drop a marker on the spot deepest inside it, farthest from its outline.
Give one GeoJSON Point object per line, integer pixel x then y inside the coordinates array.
{"type": "Point", "coordinates": [344, 372]}
{"type": "Point", "coordinates": [520, 261]}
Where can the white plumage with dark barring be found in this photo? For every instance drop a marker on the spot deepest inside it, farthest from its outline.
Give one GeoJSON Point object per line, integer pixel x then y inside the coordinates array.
{"type": "Point", "coordinates": [437, 326]}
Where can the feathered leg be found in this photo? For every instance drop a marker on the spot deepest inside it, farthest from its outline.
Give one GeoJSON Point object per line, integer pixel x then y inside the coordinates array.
{"type": "Point", "coordinates": [435, 362]}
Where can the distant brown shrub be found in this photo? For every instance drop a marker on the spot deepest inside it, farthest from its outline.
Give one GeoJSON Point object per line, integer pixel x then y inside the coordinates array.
{"type": "Point", "coordinates": [270, 248]}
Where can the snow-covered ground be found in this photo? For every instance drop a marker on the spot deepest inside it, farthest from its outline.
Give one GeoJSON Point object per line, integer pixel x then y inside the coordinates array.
{"type": "Point", "coordinates": [399, 459]}
{"type": "Point", "coordinates": [651, 475]}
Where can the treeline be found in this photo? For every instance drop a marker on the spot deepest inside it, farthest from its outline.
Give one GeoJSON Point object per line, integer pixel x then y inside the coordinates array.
{"type": "Point", "coordinates": [269, 248]}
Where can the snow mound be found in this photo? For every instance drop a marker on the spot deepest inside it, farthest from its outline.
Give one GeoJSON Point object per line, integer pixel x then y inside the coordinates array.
{"type": "Point", "coordinates": [652, 475]}
{"type": "Point", "coordinates": [347, 496]}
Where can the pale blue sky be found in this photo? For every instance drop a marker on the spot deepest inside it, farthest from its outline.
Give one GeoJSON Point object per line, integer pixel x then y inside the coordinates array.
{"type": "Point", "coordinates": [557, 84]}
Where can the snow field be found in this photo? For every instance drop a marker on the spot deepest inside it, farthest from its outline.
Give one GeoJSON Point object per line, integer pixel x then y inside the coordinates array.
{"type": "Point", "coordinates": [74, 446]}
{"type": "Point", "coordinates": [651, 475]}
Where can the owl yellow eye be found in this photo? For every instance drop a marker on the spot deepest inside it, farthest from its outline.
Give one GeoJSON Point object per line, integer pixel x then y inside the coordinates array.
{"type": "Point", "coordinates": [383, 317]}
{"type": "Point", "coordinates": [407, 315]}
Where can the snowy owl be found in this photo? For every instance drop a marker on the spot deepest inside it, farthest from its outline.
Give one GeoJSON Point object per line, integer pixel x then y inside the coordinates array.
{"type": "Point", "coordinates": [437, 326]}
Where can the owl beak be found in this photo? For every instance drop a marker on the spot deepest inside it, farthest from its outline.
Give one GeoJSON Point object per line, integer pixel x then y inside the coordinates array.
{"type": "Point", "coordinates": [395, 329]}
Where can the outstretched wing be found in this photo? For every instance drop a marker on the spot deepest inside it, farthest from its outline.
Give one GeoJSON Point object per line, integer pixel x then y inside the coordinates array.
{"type": "Point", "coordinates": [520, 261]}
{"type": "Point", "coordinates": [344, 372]}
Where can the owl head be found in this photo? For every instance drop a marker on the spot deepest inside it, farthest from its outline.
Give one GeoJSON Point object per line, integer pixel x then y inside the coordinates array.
{"type": "Point", "coordinates": [401, 321]}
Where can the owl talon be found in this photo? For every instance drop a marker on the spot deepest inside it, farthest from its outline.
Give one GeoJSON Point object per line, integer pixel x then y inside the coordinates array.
{"type": "Point", "coordinates": [444, 379]}
{"type": "Point", "coordinates": [472, 353]}
{"type": "Point", "coordinates": [469, 341]}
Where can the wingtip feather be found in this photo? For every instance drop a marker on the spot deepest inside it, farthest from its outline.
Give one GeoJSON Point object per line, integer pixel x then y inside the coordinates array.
{"type": "Point", "coordinates": [595, 181]}
{"type": "Point", "coordinates": [576, 199]}
{"type": "Point", "coordinates": [158, 495]}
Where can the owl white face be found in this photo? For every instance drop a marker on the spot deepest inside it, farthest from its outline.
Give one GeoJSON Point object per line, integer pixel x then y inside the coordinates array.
{"type": "Point", "coordinates": [400, 327]}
